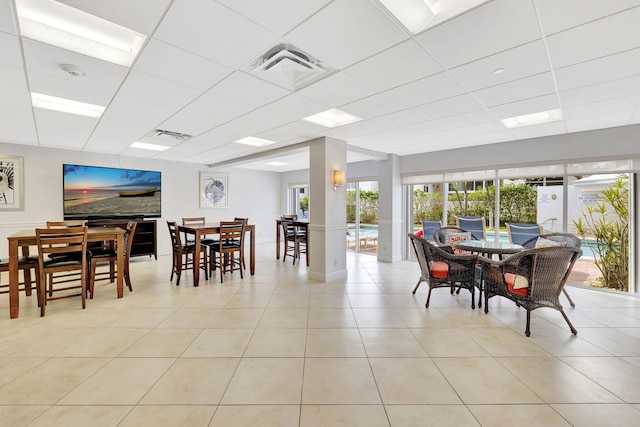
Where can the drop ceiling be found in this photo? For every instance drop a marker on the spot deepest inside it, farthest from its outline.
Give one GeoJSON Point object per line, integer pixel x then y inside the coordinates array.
{"type": "Point", "coordinates": [432, 91]}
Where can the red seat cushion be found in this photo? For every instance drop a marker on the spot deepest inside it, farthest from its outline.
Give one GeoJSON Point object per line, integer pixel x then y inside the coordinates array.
{"type": "Point", "coordinates": [511, 278]}
{"type": "Point", "coordinates": [439, 270]}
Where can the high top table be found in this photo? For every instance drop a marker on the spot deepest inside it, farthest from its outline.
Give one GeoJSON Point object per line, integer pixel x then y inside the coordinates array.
{"type": "Point", "coordinates": [199, 230]}
{"type": "Point", "coordinates": [26, 238]}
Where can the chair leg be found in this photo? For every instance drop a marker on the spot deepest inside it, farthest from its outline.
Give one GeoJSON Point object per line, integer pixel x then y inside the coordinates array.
{"type": "Point", "coordinates": [527, 332]}
{"type": "Point", "coordinates": [566, 294]}
{"type": "Point", "coordinates": [573, 330]}
{"type": "Point", "coordinates": [92, 279]}
{"type": "Point", "coordinates": [417, 286]}
{"type": "Point", "coordinates": [428, 298]}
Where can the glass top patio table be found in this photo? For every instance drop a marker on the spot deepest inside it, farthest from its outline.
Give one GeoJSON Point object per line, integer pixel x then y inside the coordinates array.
{"type": "Point", "coordinates": [488, 246]}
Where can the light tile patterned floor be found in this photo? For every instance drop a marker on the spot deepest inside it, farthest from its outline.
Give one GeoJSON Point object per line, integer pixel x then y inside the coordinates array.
{"type": "Point", "coordinates": [278, 349]}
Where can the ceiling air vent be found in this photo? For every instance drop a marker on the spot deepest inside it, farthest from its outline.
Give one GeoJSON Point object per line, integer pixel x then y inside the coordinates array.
{"type": "Point", "coordinates": [287, 66]}
{"type": "Point", "coordinates": [160, 133]}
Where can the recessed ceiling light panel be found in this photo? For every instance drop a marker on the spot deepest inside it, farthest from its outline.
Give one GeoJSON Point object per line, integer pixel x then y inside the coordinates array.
{"type": "Point", "coordinates": [332, 118]}
{"type": "Point", "coordinates": [533, 119]}
{"type": "Point", "coordinates": [63, 105]}
{"type": "Point", "coordinates": [63, 26]}
{"type": "Point", "coordinates": [275, 163]}
{"type": "Point", "coordinates": [147, 146]}
{"type": "Point", "coordinates": [256, 142]}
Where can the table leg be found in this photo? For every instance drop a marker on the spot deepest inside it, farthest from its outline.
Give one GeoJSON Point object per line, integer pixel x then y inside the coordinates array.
{"type": "Point", "coordinates": [120, 266]}
{"type": "Point", "coordinates": [14, 295]}
{"type": "Point", "coordinates": [277, 240]}
{"type": "Point", "coordinates": [252, 250]}
{"type": "Point", "coordinates": [306, 230]}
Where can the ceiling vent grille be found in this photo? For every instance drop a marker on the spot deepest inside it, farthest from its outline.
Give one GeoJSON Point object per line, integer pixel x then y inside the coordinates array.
{"type": "Point", "coordinates": [287, 66]}
{"type": "Point", "coordinates": [160, 133]}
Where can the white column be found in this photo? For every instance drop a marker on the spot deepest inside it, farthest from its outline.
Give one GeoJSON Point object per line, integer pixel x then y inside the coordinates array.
{"type": "Point", "coordinates": [390, 210]}
{"type": "Point", "coordinates": [328, 215]}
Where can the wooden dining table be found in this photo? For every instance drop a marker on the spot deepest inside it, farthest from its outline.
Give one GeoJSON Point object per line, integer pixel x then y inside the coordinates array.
{"type": "Point", "coordinates": [200, 230]}
{"type": "Point", "coordinates": [26, 238]}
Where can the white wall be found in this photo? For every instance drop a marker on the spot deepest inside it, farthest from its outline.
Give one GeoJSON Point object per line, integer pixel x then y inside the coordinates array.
{"type": "Point", "coordinates": [252, 194]}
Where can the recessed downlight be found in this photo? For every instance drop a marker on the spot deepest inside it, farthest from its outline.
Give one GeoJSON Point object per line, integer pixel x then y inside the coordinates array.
{"type": "Point", "coordinates": [498, 71]}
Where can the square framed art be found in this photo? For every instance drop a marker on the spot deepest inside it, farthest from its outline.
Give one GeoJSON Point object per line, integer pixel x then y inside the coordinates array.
{"type": "Point", "coordinates": [11, 183]}
{"type": "Point", "coordinates": [214, 190]}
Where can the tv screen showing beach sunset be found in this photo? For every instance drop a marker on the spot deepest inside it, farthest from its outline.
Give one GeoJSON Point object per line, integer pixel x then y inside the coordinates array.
{"type": "Point", "coordinates": [93, 191]}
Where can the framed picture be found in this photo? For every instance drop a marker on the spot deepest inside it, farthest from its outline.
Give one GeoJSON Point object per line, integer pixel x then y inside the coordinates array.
{"type": "Point", "coordinates": [214, 190]}
{"type": "Point", "coordinates": [11, 183]}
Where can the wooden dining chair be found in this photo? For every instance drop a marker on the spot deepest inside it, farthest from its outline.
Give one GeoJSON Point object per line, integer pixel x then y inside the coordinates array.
{"type": "Point", "coordinates": [295, 240]}
{"type": "Point", "coordinates": [61, 250]}
{"type": "Point", "coordinates": [181, 251]}
{"type": "Point", "coordinates": [110, 255]}
{"type": "Point", "coordinates": [25, 264]}
{"type": "Point", "coordinates": [244, 222]}
{"type": "Point", "coordinates": [230, 243]}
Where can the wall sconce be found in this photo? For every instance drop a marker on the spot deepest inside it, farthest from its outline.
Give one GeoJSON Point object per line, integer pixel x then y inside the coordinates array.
{"type": "Point", "coordinates": [338, 179]}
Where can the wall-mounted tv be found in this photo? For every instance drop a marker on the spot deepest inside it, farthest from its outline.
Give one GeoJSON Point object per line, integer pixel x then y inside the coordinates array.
{"type": "Point", "coordinates": [93, 192]}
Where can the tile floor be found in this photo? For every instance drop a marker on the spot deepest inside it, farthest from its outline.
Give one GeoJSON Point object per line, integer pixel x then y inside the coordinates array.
{"type": "Point", "coordinates": [280, 350]}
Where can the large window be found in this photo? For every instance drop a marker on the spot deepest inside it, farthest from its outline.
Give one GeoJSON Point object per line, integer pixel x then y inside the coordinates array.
{"type": "Point", "coordinates": [574, 201]}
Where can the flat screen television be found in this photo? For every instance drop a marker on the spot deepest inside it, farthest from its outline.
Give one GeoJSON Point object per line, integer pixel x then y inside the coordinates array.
{"type": "Point", "coordinates": [94, 192]}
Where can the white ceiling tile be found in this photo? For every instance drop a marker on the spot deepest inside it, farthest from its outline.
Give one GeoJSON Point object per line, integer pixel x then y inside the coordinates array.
{"type": "Point", "coordinates": [13, 87]}
{"type": "Point", "coordinates": [345, 32]}
{"type": "Point", "coordinates": [278, 16]}
{"type": "Point", "coordinates": [467, 119]}
{"type": "Point", "coordinates": [490, 138]}
{"type": "Point", "coordinates": [46, 59]}
{"type": "Point", "coordinates": [62, 130]}
{"type": "Point", "coordinates": [297, 129]}
{"type": "Point", "coordinates": [505, 24]}
{"type": "Point", "coordinates": [242, 87]}
{"type": "Point", "coordinates": [205, 113]}
{"type": "Point", "coordinates": [177, 65]}
{"type": "Point", "coordinates": [613, 67]}
{"type": "Point", "coordinates": [7, 24]}
{"type": "Point", "coordinates": [337, 89]}
{"type": "Point", "coordinates": [557, 15]}
{"type": "Point", "coordinates": [139, 15]}
{"type": "Point", "coordinates": [372, 106]}
{"type": "Point", "coordinates": [69, 89]}
{"type": "Point", "coordinates": [214, 32]}
{"type": "Point", "coordinates": [519, 62]}
{"type": "Point", "coordinates": [604, 107]}
{"type": "Point", "coordinates": [127, 119]}
{"type": "Point", "coordinates": [619, 118]}
{"type": "Point", "coordinates": [600, 92]}
{"type": "Point", "coordinates": [529, 87]}
{"type": "Point", "coordinates": [528, 106]}
{"type": "Point", "coordinates": [396, 133]}
{"type": "Point", "coordinates": [395, 66]}
{"type": "Point", "coordinates": [378, 124]}
{"type": "Point", "coordinates": [292, 107]}
{"type": "Point", "coordinates": [10, 48]}
{"type": "Point", "coordinates": [450, 107]}
{"type": "Point", "coordinates": [605, 36]}
{"type": "Point", "coordinates": [155, 89]}
{"type": "Point", "coordinates": [429, 89]}
{"type": "Point", "coordinates": [17, 124]}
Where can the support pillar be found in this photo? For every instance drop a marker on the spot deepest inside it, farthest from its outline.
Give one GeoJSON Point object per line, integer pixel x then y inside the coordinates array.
{"type": "Point", "coordinates": [328, 214]}
{"type": "Point", "coordinates": [390, 210]}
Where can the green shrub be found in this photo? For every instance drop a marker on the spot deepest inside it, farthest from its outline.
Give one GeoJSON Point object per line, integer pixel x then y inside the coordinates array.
{"type": "Point", "coordinates": [607, 222]}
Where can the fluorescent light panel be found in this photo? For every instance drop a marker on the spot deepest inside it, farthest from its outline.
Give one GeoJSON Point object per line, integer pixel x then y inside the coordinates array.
{"type": "Point", "coordinates": [418, 15]}
{"type": "Point", "coordinates": [533, 119]}
{"type": "Point", "coordinates": [256, 142]}
{"type": "Point", "coordinates": [63, 105]}
{"type": "Point", "coordinates": [72, 29]}
{"type": "Point", "coordinates": [276, 164]}
{"type": "Point", "coordinates": [147, 146]}
{"type": "Point", "coordinates": [332, 118]}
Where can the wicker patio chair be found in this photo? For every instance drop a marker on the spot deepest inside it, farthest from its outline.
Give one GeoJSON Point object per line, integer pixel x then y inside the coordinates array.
{"type": "Point", "coordinates": [531, 279]}
{"type": "Point", "coordinates": [441, 269]}
{"type": "Point", "coordinates": [562, 239]}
